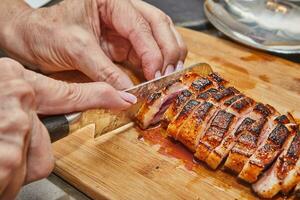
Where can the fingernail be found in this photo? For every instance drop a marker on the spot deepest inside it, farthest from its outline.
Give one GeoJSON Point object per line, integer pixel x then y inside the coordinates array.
{"type": "Point", "coordinates": [179, 65]}
{"type": "Point", "coordinates": [157, 74]}
{"type": "Point", "coordinates": [130, 98]}
{"type": "Point", "coordinates": [169, 69]}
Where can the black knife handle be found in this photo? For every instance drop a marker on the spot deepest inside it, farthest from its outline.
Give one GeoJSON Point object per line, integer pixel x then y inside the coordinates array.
{"type": "Point", "coordinates": [57, 126]}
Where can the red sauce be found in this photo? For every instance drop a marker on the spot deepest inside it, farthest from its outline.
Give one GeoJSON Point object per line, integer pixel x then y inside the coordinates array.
{"type": "Point", "coordinates": [168, 146]}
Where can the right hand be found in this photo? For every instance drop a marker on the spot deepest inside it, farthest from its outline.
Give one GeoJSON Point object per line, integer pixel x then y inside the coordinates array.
{"type": "Point", "coordinates": [25, 148]}
{"type": "Point", "coordinates": [90, 35]}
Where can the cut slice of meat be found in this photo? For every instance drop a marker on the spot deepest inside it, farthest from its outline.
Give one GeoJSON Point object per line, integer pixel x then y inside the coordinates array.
{"type": "Point", "coordinates": [184, 114]}
{"type": "Point", "coordinates": [247, 141]}
{"type": "Point", "coordinates": [190, 132]}
{"type": "Point", "coordinates": [152, 110]}
{"type": "Point", "coordinates": [292, 161]}
{"type": "Point", "coordinates": [242, 109]}
{"type": "Point", "coordinates": [212, 101]}
{"type": "Point", "coordinates": [214, 134]}
{"type": "Point", "coordinates": [201, 85]}
{"type": "Point", "coordinates": [266, 153]}
{"type": "Point", "coordinates": [272, 180]}
{"type": "Point", "coordinates": [175, 107]}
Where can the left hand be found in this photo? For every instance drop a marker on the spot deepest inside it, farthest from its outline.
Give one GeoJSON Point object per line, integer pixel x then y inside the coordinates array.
{"type": "Point", "coordinates": [89, 35]}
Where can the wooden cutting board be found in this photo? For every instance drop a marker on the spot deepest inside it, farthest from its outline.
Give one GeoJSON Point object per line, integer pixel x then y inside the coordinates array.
{"type": "Point", "coordinates": [125, 167]}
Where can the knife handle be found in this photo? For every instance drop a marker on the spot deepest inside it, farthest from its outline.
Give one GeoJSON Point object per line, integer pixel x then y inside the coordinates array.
{"type": "Point", "coordinates": [57, 126]}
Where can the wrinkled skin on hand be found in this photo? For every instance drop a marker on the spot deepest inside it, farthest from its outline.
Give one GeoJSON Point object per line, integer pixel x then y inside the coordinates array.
{"type": "Point", "coordinates": [89, 35]}
{"type": "Point", "coordinates": [25, 149]}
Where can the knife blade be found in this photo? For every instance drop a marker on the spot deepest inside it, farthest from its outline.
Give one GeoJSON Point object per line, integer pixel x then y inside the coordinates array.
{"type": "Point", "coordinates": [142, 91]}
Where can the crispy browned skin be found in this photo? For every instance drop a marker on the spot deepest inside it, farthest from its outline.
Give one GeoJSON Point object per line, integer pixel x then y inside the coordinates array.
{"type": "Point", "coordinates": [215, 121]}
{"type": "Point", "coordinates": [214, 134]}
{"type": "Point", "coordinates": [156, 100]}
{"type": "Point", "coordinates": [199, 85]}
{"type": "Point", "coordinates": [203, 85]}
{"type": "Point", "coordinates": [184, 114]}
{"type": "Point", "coordinates": [191, 130]}
{"type": "Point", "coordinates": [265, 153]}
{"type": "Point", "coordinates": [290, 165]}
{"type": "Point", "coordinates": [241, 110]}
{"type": "Point", "coordinates": [276, 178]}
{"type": "Point", "coordinates": [248, 134]}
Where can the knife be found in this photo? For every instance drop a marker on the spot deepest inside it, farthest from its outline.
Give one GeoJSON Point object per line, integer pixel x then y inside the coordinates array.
{"type": "Point", "coordinates": [108, 121]}
{"type": "Point", "coordinates": [142, 91]}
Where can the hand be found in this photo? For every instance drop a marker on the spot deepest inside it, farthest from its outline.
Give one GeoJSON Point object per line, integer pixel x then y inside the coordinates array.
{"type": "Point", "coordinates": [25, 149]}
{"type": "Point", "coordinates": [89, 35]}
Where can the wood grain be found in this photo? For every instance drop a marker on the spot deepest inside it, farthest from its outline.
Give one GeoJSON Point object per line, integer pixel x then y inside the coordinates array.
{"type": "Point", "coordinates": [124, 167]}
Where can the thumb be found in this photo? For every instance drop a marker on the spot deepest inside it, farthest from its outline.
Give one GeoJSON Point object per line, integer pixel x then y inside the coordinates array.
{"type": "Point", "coordinates": [95, 64]}
{"type": "Point", "coordinates": [55, 97]}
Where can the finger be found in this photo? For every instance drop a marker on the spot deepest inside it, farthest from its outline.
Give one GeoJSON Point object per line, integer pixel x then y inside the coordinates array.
{"type": "Point", "coordinates": [14, 163]}
{"type": "Point", "coordinates": [129, 23]}
{"type": "Point", "coordinates": [161, 27]}
{"type": "Point", "coordinates": [182, 47]}
{"type": "Point", "coordinates": [40, 160]}
{"type": "Point", "coordinates": [55, 97]}
{"type": "Point", "coordinates": [95, 64]}
{"type": "Point", "coordinates": [118, 48]}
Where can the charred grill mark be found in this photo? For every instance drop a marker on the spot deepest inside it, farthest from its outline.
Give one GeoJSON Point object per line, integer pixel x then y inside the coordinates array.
{"type": "Point", "coordinates": [223, 93]}
{"type": "Point", "coordinates": [191, 130]}
{"type": "Point", "coordinates": [203, 110]}
{"type": "Point", "coordinates": [205, 95]}
{"type": "Point", "coordinates": [244, 125]}
{"type": "Point", "coordinates": [222, 120]}
{"type": "Point", "coordinates": [185, 94]}
{"type": "Point", "coordinates": [233, 99]}
{"type": "Point", "coordinates": [279, 134]}
{"type": "Point", "coordinates": [248, 141]}
{"type": "Point", "coordinates": [201, 84]}
{"type": "Point", "coordinates": [294, 149]}
{"type": "Point", "coordinates": [174, 127]}
{"type": "Point", "coordinates": [154, 96]}
{"type": "Point", "coordinates": [214, 134]}
{"type": "Point", "coordinates": [187, 109]}
{"type": "Point", "coordinates": [217, 78]}
{"type": "Point", "coordinates": [282, 119]}
{"type": "Point", "coordinates": [242, 104]}
{"type": "Point", "coordinates": [257, 126]}
{"type": "Point", "coordinates": [288, 161]}
{"type": "Point", "coordinates": [262, 109]}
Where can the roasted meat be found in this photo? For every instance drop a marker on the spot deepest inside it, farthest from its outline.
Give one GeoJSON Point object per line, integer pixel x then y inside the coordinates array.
{"type": "Point", "coordinates": [218, 123]}
{"type": "Point", "coordinates": [189, 131]}
{"type": "Point", "coordinates": [200, 85]}
{"type": "Point", "coordinates": [252, 128]}
{"type": "Point", "coordinates": [243, 112]}
{"type": "Point", "coordinates": [282, 175]}
{"type": "Point", "coordinates": [266, 153]}
{"type": "Point", "coordinates": [157, 103]}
